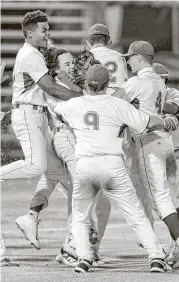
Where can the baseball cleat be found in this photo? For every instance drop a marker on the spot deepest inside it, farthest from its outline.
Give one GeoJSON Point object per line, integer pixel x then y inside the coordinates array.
{"type": "Point", "coordinates": [173, 257]}
{"type": "Point", "coordinates": [98, 260]}
{"type": "Point", "coordinates": [83, 266]}
{"type": "Point", "coordinates": [66, 258]}
{"type": "Point", "coordinates": [158, 265]}
{"type": "Point", "coordinates": [7, 262]}
{"type": "Point", "coordinates": [29, 227]}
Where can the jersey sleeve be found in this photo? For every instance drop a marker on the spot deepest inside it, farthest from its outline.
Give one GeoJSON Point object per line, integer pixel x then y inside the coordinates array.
{"type": "Point", "coordinates": [131, 89]}
{"type": "Point", "coordinates": [34, 65]}
{"type": "Point", "coordinates": [172, 96]}
{"type": "Point", "coordinates": [129, 115]}
{"type": "Point", "coordinates": [65, 109]}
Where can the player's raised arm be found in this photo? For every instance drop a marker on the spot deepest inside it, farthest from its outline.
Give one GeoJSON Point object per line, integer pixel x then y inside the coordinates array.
{"type": "Point", "coordinates": [47, 84]}
{"type": "Point", "coordinates": [139, 121]}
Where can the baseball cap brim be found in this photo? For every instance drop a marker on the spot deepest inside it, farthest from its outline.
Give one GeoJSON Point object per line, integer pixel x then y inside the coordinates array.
{"type": "Point", "coordinates": [128, 55]}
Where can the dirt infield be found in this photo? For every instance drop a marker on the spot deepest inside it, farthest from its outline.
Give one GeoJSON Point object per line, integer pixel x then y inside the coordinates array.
{"type": "Point", "coordinates": [124, 260]}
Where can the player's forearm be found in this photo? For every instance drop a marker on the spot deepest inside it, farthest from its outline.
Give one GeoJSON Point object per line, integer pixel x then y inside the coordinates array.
{"type": "Point", "coordinates": [170, 108]}
{"type": "Point", "coordinates": [47, 84]}
{"type": "Point", "coordinates": [166, 123]}
{"type": "Point", "coordinates": [62, 92]}
{"type": "Point", "coordinates": [155, 123]}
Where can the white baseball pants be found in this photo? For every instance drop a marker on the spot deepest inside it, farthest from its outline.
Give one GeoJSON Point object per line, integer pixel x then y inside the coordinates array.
{"type": "Point", "coordinates": [64, 145]}
{"type": "Point", "coordinates": [110, 174]}
{"type": "Point", "coordinates": [54, 175]}
{"type": "Point", "coordinates": [173, 178]}
{"type": "Point", "coordinates": [134, 173]}
{"type": "Point", "coordinates": [31, 129]}
{"type": "Point", "coordinates": [153, 150]}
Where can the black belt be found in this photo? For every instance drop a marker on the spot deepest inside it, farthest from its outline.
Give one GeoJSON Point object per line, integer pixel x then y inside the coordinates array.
{"type": "Point", "coordinates": [41, 109]}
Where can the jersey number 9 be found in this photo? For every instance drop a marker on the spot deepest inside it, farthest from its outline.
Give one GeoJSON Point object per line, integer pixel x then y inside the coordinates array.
{"type": "Point", "coordinates": [92, 119]}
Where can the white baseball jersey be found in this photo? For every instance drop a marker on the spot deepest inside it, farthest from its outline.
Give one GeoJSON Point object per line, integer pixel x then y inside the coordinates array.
{"type": "Point", "coordinates": [96, 121]}
{"type": "Point", "coordinates": [28, 69]}
{"type": "Point", "coordinates": [115, 64]}
{"type": "Point", "coordinates": [173, 97]}
{"type": "Point", "coordinates": [147, 89]}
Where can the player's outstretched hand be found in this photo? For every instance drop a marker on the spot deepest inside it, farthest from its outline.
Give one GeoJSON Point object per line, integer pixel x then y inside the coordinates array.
{"type": "Point", "coordinates": [165, 122]}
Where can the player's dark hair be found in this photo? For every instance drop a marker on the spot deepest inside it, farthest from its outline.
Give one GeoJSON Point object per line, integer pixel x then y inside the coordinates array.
{"type": "Point", "coordinates": [149, 59]}
{"type": "Point", "coordinates": [97, 87]}
{"type": "Point", "coordinates": [51, 59]}
{"type": "Point", "coordinates": [30, 20]}
{"type": "Point", "coordinates": [98, 38]}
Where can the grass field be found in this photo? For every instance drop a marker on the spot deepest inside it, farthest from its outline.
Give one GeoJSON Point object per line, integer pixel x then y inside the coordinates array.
{"type": "Point", "coordinates": [124, 260]}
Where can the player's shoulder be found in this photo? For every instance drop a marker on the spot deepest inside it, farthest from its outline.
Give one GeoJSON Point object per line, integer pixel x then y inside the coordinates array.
{"type": "Point", "coordinates": [115, 53]}
{"type": "Point", "coordinates": [118, 101]}
{"type": "Point", "coordinates": [28, 51]}
{"type": "Point", "coordinates": [131, 81]}
{"type": "Point", "coordinates": [172, 90]}
{"type": "Point", "coordinates": [75, 100]}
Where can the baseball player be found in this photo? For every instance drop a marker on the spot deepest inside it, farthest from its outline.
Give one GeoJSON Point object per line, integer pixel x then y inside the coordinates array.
{"type": "Point", "coordinates": [29, 116]}
{"type": "Point", "coordinates": [98, 40]}
{"type": "Point", "coordinates": [152, 148]}
{"type": "Point", "coordinates": [96, 119]}
{"type": "Point", "coordinates": [172, 105]}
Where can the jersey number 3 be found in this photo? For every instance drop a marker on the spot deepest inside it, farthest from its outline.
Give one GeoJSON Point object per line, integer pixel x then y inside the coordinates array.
{"type": "Point", "coordinates": [92, 119]}
{"type": "Point", "coordinates": [112, 69]}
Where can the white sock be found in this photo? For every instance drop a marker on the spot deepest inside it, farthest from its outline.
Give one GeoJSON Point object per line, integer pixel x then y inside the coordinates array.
{"type": "Point", "coordinates": [34, 214]}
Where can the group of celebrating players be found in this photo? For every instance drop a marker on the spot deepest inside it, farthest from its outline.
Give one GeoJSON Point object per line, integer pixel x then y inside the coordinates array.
{"type": "Point", "coordinates": [115, 138]}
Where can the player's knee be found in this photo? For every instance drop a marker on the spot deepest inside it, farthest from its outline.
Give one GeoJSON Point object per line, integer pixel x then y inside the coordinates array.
{"type": "Point", "coordinates": [38, 168]}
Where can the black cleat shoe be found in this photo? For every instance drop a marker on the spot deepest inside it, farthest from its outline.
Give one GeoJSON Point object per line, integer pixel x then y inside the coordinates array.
{"type": "Point", "coordinates": [83, 266]}
{"type": "Point", "coordinates": [158, 265]}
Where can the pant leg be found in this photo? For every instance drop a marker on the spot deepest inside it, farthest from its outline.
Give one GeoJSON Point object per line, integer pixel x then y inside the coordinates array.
{"type": "Point", "coordinates": [172, 169]}
{"type": "Point", "coordinates": [55, 173]}
{"type": "Point", "coordinates": [84, 194]}
{"type": "Point", "coordinates": [64, 146]}
{"type": "Point", "coordinates": [132, 166]}
{"type": "Point", "coordinates": [142, 193]}
{"type": "Point", "coordinates": [30, 127]}
{"type": "Point", "coordinates": [103, 209]}
{"type": "Point", "coordinates": [120, 188]}
{"type": "Point", "coordinates": [152, 152]}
